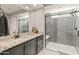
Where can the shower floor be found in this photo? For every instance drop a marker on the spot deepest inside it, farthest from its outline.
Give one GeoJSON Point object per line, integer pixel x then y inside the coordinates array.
{"type": "Point", "coordinates": [53, 48]}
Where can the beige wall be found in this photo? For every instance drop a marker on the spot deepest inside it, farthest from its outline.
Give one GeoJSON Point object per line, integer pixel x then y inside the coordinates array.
{"type": "Point", "coordinates": [37, 20]}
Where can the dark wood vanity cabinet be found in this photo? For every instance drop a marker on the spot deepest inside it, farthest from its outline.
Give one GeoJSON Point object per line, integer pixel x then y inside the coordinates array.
{"type": "Point", "coordinates": [18, 50]}
{"type": "Point", "coordinates": [26, 48]}
{"type": "Point", "coordinates": [34, 46]}
{"type": "Point", "coordinates": [39, 43]}
{"type": "Point", "coordinates": [31, 47]}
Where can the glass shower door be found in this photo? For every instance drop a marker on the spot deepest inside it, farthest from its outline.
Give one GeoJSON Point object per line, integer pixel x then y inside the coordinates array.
{"type": "Point", "coordinates": [60, 29]}
{"type": "Point", "coordinates": [51, 29]}
{"type": "Point", "coordinates": [65, 29]}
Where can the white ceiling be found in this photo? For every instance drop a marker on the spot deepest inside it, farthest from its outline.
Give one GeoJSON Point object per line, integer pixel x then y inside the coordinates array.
{"type": "Point", "coordinates": [11, 8]}
{"type": "Point", "coordinates": [8, 9]}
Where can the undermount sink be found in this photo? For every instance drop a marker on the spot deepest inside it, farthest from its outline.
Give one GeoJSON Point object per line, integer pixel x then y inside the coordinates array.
{"type": "Point", "coordinates": [26, 36]}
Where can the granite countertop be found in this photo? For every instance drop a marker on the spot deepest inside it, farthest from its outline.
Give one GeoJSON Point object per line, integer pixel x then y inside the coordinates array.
{"type": "Point", "coordinates": [6, 42]}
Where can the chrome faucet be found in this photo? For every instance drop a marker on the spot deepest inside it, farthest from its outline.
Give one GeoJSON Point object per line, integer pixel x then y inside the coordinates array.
{"type": "Point", "coordinates": [16, 35]}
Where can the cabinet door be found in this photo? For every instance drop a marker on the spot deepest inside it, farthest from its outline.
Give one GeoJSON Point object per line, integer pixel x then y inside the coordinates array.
{"type": "Point", "coordinates": [26, 48]}
{"type": "Point", "coordinates": [18, 50]}
{"type": "Point", "coordinates": [32, 47]}
{"type": "Point", "coordinates": [39, 43]}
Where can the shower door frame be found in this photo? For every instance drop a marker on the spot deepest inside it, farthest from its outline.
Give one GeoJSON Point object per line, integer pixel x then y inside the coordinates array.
{"type": "Point", "coordinates": [60, 13]}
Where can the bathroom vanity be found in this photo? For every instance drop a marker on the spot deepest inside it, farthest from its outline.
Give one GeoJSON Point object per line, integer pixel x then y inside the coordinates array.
{"type": "Point", "coordinates": [26, 44]}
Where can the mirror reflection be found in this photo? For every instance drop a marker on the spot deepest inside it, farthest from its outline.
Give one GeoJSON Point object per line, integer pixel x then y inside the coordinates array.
{"type": "Point", "coordinates": [23, 25]}
{"type": "Point", "coordinates": [14, 18]}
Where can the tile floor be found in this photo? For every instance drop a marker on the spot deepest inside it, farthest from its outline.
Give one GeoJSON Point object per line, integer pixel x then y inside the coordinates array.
{"type": "Point", "coordinates": [46, 51]}
{"type": "Point", "coordinates": [58, 49]}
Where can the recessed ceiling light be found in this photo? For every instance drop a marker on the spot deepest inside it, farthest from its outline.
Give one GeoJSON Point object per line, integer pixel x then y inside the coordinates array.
{"type": "Point", "coordinates": [26, 7]}
{"type": "Point", "coordinates": [34, 4]}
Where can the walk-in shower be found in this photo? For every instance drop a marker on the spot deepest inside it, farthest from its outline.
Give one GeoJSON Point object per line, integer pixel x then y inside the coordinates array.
{"type": "Point", "coordinates": [63, 28]}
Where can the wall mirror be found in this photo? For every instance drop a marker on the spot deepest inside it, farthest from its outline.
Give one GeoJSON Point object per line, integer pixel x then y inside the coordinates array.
{"type": "Point", "coordinates": [17, 17]}
{"type": "Point", "coordinates": [23, 22]}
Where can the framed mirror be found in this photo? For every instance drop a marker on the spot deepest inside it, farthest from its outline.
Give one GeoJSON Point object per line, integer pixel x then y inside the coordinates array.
{"type": "Point", "coordinates": [23, 23]}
